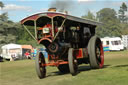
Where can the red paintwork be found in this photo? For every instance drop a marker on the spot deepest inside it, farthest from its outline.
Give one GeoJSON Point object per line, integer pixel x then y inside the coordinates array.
{"type": "Point", "coordinates": [33, 17]}
{"type": "Point", "coordinates": [54, 14]}
{"type": "Point", "coordinates": [78, 53]}
{"type": "Point", "coordinates": [53, 63]}
{"type": "Point", "coordinates": [46, 26]}
{"type": "Point", "coordinates": [101, 56]}
{"type": "Point", "coordinates": [36, 16]}
{"type": "Point", "coordinates": [45, 38]}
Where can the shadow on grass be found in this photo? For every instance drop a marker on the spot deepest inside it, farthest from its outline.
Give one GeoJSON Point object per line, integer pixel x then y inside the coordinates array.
{"type": "Point", "coordinates": [80, 69]}
{"type": "Point", "coordinates": [106, 66]}
{"type": "Point", "coordinates": [84, 68]}
{"type": "Point", "coordinates": [56, 73]}
{"type": "Point", "coordinates": [121, 66]}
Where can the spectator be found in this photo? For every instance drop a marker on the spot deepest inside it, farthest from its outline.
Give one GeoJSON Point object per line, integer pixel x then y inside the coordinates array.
{"type": "Point", "coordinates": [27, 55]}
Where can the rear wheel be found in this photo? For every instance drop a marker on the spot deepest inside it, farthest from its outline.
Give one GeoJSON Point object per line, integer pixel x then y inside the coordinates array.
{"type": "Point", "coordinates": [96, 54]}
{"type": "Point", "coordinates": [73, 66]}
{"type": "Point", "coordinates": [40, 65]}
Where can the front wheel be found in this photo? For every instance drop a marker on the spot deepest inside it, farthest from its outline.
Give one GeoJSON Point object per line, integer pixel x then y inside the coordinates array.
{"type": "Point", "coordinates": [40, 65]}
{"type": "Point", "coordinates": [73, 66]}
{"type": "Point", "coordinates": [96, 54]}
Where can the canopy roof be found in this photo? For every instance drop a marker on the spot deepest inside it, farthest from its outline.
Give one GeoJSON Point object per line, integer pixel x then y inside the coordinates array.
{"type": "Point", "coordinates": [35, 17]}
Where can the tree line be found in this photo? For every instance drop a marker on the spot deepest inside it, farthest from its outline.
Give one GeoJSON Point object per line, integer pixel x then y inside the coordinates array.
{"type": "Point", "coordinates": [113, 24]}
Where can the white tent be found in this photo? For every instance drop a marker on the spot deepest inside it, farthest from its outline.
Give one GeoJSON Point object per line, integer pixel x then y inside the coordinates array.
{"type": "Point", "coordinates": [10, 50]}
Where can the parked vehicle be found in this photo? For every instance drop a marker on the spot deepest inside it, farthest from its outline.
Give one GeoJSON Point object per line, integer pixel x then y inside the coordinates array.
{"type": "Point", "coordinates": [112, 44]}
{"type": "Point", "coordinates": [11, 51]}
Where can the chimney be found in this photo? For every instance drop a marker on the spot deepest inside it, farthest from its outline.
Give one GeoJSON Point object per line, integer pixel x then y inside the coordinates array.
{"type": "Point", "coordinates": [66, 12]}
{"type": "Point", "coordinates": [52, 9]}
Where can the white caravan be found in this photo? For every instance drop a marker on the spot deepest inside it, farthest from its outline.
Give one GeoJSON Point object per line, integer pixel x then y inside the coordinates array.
{"type": "Point", "coordinates": [114, 43]}
{"type": "Point", "coordinates": [11, 50]}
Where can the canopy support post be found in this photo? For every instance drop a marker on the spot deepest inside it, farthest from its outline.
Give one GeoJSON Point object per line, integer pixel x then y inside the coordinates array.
{"type": "Point", "coordinates": [59, 30]}
{"type": "Point", "coordinates": [29, 32]}
{"type": "Point", "coordinates": [52, 27]}
{"type": "Point", "coordinates": [35, 29]}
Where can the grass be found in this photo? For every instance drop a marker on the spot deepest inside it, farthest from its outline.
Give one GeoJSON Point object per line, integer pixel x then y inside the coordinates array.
{"type": "Point", "coordinates": [115, 72]}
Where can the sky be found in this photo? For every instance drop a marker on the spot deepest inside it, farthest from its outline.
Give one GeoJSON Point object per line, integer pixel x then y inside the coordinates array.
{"type": "Point", "coordinates": [19, 9]}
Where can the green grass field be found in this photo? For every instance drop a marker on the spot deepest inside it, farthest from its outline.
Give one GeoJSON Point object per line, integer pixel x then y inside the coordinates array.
{"type": "Point", "coordinates": [115, 72]}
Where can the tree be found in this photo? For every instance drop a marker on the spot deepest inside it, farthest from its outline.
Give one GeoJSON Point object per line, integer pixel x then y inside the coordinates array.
{"type": "Point", "coordinates": [8, 31]}
{"type": "Point", "coordinates": [124, 28]}
{"type": "Point", "coordinates": [11, 32]}
{"type": "Point", "coordinates": [110, 22]}
{"type": "Point", "coordinates": [89, 16]}
{"type": "Point", "coordinates": [122, 10]}
{"type": "Point", "coordinates": [106, 15]}
{"type": "Point", "coordinates": [1, 4]}
{"type": "Point", "coordinates": [4, 17]}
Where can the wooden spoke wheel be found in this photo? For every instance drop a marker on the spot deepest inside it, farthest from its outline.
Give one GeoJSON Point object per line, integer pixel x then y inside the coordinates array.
{"type": "Point", "coordinates": [96, 54]}
{"type": "Point", "coordinates": [40, 65]}
{"type": "Point", "coordinates": [73, 66]}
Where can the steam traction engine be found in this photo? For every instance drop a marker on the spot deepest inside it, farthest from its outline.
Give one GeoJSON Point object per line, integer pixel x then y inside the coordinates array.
{"type": "Point", "coordinates": [69, 41]}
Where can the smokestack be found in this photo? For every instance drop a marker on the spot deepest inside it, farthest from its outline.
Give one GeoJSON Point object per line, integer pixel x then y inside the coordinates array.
{"type": "Point", "coordinates": [52, 9]}
{"type": "Point", "coordinates": [66, 12]}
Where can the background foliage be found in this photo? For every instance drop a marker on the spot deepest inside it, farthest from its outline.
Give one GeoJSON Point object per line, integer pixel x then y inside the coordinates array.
{"type": "Point", "coordinates": [113, 24]}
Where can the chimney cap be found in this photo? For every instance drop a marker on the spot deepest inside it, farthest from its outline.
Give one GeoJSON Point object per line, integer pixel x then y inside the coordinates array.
{"type": "Point", "coordinates": [53, 9]}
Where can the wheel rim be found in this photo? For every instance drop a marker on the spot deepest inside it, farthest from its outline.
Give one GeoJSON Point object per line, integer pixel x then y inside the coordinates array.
{"type": "Point", "coordinates": [100, 55]}
{"type": "Point", "coordinates": [73, 66]}
{"type": "Point", "coordinates": [40, 65]}
{"type": "Point", "coordinates": [96, 54]}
